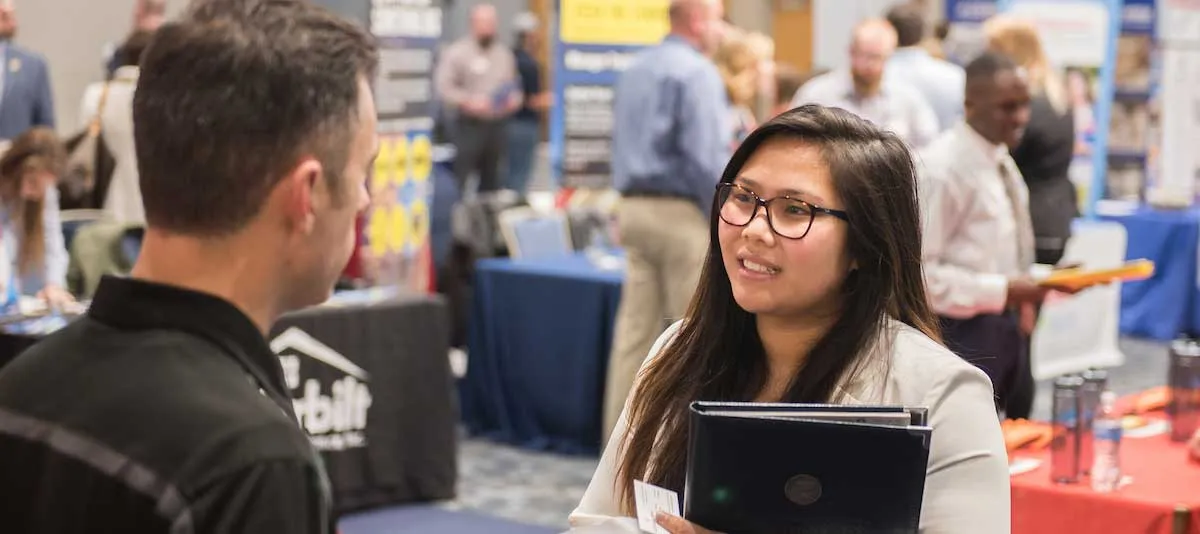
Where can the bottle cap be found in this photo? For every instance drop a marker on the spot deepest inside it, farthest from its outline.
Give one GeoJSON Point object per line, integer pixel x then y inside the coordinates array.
{"type": "Point", "coordinates": [1095, 375]}
{"type": "Point", "coordinates": [1068, 381]}
{"type": "Point", "coordinates": [1186, 347]}
{"type": "Point", "coordinates": [1108, 397]}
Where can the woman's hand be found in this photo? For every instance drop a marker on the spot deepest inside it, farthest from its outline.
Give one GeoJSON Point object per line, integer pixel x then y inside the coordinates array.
{"type": "Point", "coordinates": [56, 297]}
{"type": "Point", "coordinates": [679, 525]}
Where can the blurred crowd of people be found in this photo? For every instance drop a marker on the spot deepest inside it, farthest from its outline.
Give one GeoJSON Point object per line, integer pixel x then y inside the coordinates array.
{"type": "Point", "coordinates": [684, 106]}
{"type": "Point", "coordinates": [42, 174]}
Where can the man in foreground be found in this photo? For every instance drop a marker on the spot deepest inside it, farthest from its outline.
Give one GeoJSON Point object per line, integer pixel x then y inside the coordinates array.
{"type": "Point", "coordinates": [164, 409]}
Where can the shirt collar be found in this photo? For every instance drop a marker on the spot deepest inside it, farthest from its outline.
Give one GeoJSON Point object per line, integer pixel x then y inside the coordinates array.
{"type": "Point", "coordinates": [127, 73]}
{"type": "Point", "coordinates": [994, 153]}
{"type": "Point", "coordinates": [911, 52]}
{"type": "Point", "coordinates": [849, 92]}
{"type": "Point", "coordinates": [675, 39]}
{"type": "Point", "coordinates": [132, 304]}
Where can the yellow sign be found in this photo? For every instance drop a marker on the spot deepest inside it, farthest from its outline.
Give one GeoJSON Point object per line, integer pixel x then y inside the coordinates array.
{"type": "Point", "coordinates": [378, 231]}
{"type": "Point", "coordinates": [400, 155]}
{"type": "Point", "coordinates": [400, 228]}
{"type": "Point", "coordinates": [614, 22]}
{"type": "Point", "coordinates": [383, 167]}
{"type": "Point", "coordinates": [421, 157]}
{"type": "Point", "coordinates": [419, 231]}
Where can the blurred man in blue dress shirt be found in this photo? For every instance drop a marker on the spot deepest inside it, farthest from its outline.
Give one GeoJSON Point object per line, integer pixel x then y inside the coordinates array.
{"type": "Point", "coordinates": [671, 139]}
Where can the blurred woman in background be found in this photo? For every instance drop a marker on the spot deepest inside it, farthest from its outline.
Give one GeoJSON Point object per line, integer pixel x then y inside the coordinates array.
{"type": "Point", "coordinates": [35, 255]}
{"type": "Point", "coordinates": [112, 102]}
{"type": "Point", "coordinates": [1044, 158]}
{"type": "Point", "coordinates": [738, 64]}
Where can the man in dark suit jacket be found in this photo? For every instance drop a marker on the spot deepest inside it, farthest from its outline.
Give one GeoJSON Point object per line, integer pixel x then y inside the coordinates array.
{"type": "Point", "coordinates": [26, 100]}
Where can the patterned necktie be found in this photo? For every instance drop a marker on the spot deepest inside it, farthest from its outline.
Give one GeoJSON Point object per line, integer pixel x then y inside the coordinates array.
{"type": "Point", "coordinates": [1020, 210]}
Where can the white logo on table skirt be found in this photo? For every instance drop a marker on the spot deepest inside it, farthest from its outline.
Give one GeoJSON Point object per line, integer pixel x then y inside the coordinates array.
{"type": "Point", "coordinates": [336, 421]}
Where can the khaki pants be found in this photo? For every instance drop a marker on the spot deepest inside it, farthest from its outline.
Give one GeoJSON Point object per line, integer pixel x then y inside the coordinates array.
{"type": "Point", "coordinates": [665, 243]}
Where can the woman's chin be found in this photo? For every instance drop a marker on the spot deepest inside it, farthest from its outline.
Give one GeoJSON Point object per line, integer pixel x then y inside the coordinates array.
{"type": "Point", "coordinates": [754, 303]}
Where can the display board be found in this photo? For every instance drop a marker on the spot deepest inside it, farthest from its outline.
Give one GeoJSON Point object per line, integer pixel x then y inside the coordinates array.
{"type": "Point", "coordinates": [395, 248]}
{"type": "Point", "coordinates": [594, 41]}
{"type": "Point", "coordinates": [965, 38]}
{"type": "Point", "coordinates": [1174, 179]}
{"type": "Point", "coordinates": [1133, 143]}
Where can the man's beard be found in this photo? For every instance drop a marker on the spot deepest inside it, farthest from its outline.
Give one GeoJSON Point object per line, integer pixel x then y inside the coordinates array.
{"type": "Point", "coordinates": [485, 41]}
{"type": "Point", "coordinates": [864, 85]}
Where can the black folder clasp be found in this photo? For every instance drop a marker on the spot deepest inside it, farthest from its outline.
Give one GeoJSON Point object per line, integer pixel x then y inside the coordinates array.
{"type": "Point", "coordinates": [803, 489]}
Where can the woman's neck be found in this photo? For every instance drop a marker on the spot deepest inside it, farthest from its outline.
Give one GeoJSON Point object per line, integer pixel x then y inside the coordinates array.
{"type": "Point", "coordinates": [786, 343]}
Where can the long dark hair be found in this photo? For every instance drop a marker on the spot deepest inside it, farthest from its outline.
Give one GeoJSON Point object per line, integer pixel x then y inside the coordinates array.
{"type": "Point", "coordinates": [717, 354]}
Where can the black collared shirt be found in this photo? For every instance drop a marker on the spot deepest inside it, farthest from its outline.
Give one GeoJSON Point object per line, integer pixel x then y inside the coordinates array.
{"type": "Point", "coordinates": [161, 410]}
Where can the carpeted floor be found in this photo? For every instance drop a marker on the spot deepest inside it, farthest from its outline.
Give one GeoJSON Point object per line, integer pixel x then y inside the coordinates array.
{"type": "Point", "coordinates": [503, 490]}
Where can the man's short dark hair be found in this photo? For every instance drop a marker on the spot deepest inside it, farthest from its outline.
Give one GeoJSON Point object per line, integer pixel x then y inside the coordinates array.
{"type": "Point", "coordinates": [909, 21]}
{"type": "Point", "coordinates": [131, 51]}
{"type": "Point", "coordinates": [232, 96]}
{"type": "Point", "coordinates": [985, 67]}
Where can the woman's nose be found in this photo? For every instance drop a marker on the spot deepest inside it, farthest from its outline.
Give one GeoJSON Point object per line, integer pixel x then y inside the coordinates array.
{"type": "Point", "coordinates": [759, 228]}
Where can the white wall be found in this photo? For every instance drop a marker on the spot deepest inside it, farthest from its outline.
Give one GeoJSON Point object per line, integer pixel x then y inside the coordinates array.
{"type": "Point", "coordinates": [72, 35]}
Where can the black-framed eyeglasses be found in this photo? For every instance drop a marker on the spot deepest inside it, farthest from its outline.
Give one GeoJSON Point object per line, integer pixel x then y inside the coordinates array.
{"type": "Point", "coordinates": [788, 217]}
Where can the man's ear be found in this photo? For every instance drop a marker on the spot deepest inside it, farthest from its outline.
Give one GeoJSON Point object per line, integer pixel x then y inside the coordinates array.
{"type": "Point", "coordinates": [304, 193]}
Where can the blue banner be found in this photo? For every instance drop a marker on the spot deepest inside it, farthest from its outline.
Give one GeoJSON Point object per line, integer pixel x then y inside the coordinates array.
{"type": "Point", "coordinates": [594, 41]}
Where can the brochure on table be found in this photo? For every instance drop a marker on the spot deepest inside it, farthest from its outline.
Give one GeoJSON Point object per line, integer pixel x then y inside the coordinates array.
{"type": "Point", "coordinates": [594, 41]}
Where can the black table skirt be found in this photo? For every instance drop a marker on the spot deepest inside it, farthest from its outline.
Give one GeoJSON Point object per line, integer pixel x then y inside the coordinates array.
{"type": "Point", "coordinates": [410, 452]}
{"type": "Point", "coordinates": [407, 450]}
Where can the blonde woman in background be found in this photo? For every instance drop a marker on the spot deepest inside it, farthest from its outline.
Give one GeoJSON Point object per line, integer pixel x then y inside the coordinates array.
{"type": "Point", "coordinates": [1044, 157]}
{"type": "Point", "coordinates": [764, 50]}
{"type": "Point", "coordinates": [740, 59]}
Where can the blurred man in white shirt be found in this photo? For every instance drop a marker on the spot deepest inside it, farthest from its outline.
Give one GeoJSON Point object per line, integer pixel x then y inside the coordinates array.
{"type": "Point", "coordinates": [978, 241]}
{"type": "Point", "coordinates": [864, 90]}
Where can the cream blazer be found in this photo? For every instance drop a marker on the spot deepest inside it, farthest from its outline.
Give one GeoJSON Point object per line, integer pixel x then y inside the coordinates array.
{"type": "Point", "coordinates": [966, 483]}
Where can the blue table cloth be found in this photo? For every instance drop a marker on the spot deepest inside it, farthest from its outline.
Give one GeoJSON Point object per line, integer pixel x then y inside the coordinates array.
{"type": "Point", "coordinates": [1167, 304]}
{"type": "Point", "coordinates": [538, 349]}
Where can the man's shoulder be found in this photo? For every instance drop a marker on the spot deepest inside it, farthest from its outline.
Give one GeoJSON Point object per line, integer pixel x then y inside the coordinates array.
{"type": "Point", "coordinates": [823, 89]}
{"type": "Point", "coordinates": [186, 391]}
{"type": "Point", "coordinates": [943, 151]}
{"type": "Point", "coordinates": [457, 48]}
{"type": "Point", "coordinates": [675, 60]}
{"type": "Point", "coordinates": [25, 55]}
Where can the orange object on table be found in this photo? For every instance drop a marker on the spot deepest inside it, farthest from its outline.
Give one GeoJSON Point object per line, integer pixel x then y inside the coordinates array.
{"type": "Point", "coordinates": [1163, 479]}
{"type": "Point", "coordinates": [1024, 434]}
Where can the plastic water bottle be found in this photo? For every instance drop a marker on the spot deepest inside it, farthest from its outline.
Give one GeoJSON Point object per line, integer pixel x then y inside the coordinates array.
{"type": "Point", "coordinates": [1106, 462]}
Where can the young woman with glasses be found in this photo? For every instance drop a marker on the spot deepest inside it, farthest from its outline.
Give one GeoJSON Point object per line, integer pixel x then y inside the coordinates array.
{"type": "Point", "coordinates": [812, 292]}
